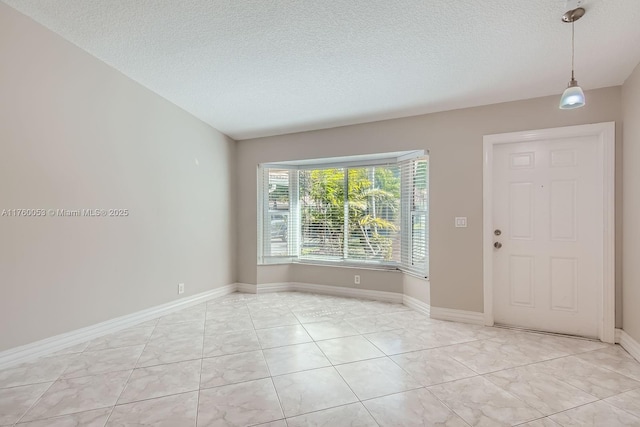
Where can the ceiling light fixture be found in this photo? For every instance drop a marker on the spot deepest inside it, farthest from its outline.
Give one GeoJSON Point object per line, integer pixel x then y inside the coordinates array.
{"type": "Point", "coordinates": [573, 96]}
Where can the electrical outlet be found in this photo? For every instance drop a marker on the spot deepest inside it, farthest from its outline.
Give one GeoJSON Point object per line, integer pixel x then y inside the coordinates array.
{"type": "Point", "coordinates": [180, 288]}
{"type": "Point", "coordinates": [356, 279]}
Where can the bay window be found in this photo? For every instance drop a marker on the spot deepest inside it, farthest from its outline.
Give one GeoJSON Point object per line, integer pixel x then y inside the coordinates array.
{"type": "Point", "coordinates": [361, 211]}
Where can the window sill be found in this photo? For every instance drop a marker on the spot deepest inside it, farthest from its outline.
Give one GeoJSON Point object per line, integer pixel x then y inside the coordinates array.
{"type": "Point", "coordinates": [313, 262]}
{"type": "Point", "coordinates": [359, 266]}
{"type": "Point", "coordinates": [339, 264]}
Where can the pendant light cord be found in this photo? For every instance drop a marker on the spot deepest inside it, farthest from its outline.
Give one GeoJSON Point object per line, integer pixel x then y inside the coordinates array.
{"type": "Point", "coordinates": [572, 47]}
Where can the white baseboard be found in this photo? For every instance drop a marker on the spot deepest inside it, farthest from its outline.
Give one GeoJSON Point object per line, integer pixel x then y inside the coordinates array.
{"type": "Point", "coordinates": [461, 316]}
{"type": "Point", "coordinates": [417, 305]}
{"type": "Point", "coordinates": [56, 343]}
{"type": "Point", "coordinates": [276, 287]}
{"type": "Point", "coordinates": [246, 288]}
{"type": "Point", "coordinates": [350, 292]}
{"type": "Point", "coordinates": [617, 335]}
{"type": "Point", "coordinates": [322, 289]}
{"type": "Point", "coordinates": [631, 345]}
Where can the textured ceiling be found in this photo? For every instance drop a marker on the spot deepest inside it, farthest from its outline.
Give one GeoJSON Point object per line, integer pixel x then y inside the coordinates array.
{"type": "Point", "coordinates": [264, 67]}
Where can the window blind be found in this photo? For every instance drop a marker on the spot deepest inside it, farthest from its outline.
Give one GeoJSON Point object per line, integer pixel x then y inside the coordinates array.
{"type": "Point", "coordinates": [346, 212]}
{"type": "Point", "coordinates": [278, 214]}
{"type": "Point", "coordinates": [322, 201]}
{"type": "Point", "coordinates": [415, 216]}
{"type": "Point", "coordinates": [374, 214]}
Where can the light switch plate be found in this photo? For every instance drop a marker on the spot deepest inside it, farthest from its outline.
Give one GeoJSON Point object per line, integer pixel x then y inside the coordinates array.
{"type": "Point", "coordinates": [461, 222]}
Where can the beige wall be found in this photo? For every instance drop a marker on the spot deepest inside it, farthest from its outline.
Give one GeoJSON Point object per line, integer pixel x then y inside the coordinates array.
{"type": "Point", "coordinates": [375, 280]}
{"type": "Point", "coordinates": [631, 205]}
{"type": "Point", "coordinates": [454, 140]}
{"type": "Point", "coordinates": [371, 279]}
{"type": "Point", "coordinates": [415, 287]}
{"type": "Point", "coordinates": [74, 133]}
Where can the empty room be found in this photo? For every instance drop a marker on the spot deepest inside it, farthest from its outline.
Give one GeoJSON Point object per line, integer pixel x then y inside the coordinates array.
{"type": "Point", "coordinates": [319, 213]}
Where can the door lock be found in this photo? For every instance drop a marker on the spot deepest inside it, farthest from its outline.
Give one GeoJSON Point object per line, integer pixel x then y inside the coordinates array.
{"type": "Point", "coordinates": [497, 232]}
{"type": "Point", "coordinates": [497, 245]}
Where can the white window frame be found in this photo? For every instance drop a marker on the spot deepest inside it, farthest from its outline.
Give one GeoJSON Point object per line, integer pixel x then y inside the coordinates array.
{"type": "Point", "coordinates": [294, 237]}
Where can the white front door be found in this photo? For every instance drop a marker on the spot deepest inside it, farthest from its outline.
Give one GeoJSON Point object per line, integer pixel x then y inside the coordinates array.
{"type": "Point", "coordinates": [548, 219]}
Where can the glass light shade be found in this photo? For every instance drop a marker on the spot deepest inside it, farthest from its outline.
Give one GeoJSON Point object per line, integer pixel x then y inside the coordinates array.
{"type": "Point", "coordinates": [573, 97]}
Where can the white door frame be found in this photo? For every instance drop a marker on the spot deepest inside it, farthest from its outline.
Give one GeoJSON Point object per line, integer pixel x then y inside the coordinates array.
{"type": "Point", "coordinates": [606, 151]}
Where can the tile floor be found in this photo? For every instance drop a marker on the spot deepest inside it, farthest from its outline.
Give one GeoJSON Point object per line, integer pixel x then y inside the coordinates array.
{"type": "Point", "coordinates": [295, 359]}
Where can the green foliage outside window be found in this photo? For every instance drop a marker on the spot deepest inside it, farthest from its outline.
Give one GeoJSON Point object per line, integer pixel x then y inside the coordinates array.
{"type": "Point", "coordinates": [373, 211]}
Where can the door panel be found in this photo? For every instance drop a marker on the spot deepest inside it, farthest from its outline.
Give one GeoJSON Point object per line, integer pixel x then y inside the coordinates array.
{"type": "Point", "coordinates": [564, 284]}
{"type": "Point", "coordinates": [521, 209]}
{"type": "Point", "coordinates": [563, 210]}
{"type": "Point", "coordinates": [548, 206]}
{"type": "Point", "coordinates": [521, 280]}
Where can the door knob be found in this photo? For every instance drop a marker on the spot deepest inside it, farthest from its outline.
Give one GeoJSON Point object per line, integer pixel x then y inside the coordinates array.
{"type": "Point", "coordinates": [497, 245]}
{"type": "Point", "coordinates": [497, 232]}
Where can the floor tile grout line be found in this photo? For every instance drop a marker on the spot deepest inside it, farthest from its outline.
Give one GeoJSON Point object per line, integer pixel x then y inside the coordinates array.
{"type": "Point", "coordinates": [373, 344]}
{"type": "Point", "coordinates": [422, 349]}
{"type": "Point", "coordinates": [251, 318]}
{"type": "Point", "coordinates": [497, 370]}
{"type": "Point", "coordinates": [370, 414]}
{"type": "Point", "coordinates": [135, 365]}
{"type": "Point", "coordinates": [460, 415]}
{"type": "Point", "coordinates": [485, 375]}
{"type": "Point", "coordinates": [147, 399]}
{"type": "Point", "coordinates": [275, 389]}
{"type": "Point", "coordinates": [61, 416]}
{"type": "Point", "coordinates": [531, 421]}
{"type": "Point", "coordinates": [556, 378]}
{"type": "Point", "coordinates": [357, 397]}
{"type": "Point", "coordinates": [447, 406]}
{"type": "Point", "coordinates": [425, 388]}
{"type": "Point", "coordinates": [273, 384]}
{"type": "Point", "coordinates": [131, 374]}
{"type": "Point", "coordinates": [511, 394]}
{"type": "Point", "coordinates": [204, 332]}
{"type": "Point", "coordinates": [335, 370]}
{"type": "Point", "coordinates": [622, 409]}
{"type": "Point", "coordinates": [576, 407]}
{"type": "Point", "coordinates": [602, 366]}
{"type": "Point", "coordinates": [550, 360]}
{"type": "Point", "coordinates": [58, 378]}
{"type": "Point", "coordinates": [36, 401]}
{"type": "Point", "coordinates": [25, 385]}
{"type": "Point", "coordinates": [315, 411]}
{"type": "Point", "coordinates": [63, 377]}
{"type": "Point", "coordinates": [109, 348]}
{"type": "Point", "coordinates": [597, 399]}
{"type": "Point", "coordinates": [342, 376]}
